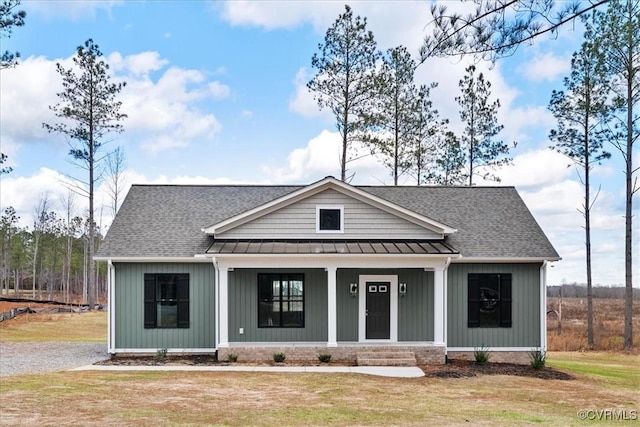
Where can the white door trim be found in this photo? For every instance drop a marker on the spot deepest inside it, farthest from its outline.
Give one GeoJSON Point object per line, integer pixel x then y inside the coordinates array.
{"type": "Point", "coordinates": [362, 306]}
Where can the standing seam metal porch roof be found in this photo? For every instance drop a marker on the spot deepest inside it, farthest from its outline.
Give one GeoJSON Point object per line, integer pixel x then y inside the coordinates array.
{"type": "Point", "coordinates": [158, 221]}
{"type": "Point", "coordinates": [330, 246]}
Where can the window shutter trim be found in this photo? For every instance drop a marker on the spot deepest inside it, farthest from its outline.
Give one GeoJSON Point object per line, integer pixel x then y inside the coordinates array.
{"type": "Point", "coordinates": [505, 301]}
{"type": "Point", "coordinates": [183, 300]}
{"type": "Point", "coordinates": [150, 315]}
{"type": "Point", "coordinates": [473, 304]}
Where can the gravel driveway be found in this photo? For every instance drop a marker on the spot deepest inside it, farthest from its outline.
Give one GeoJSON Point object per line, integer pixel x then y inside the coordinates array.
{"type": "Point", "coordinates": [35, 357]}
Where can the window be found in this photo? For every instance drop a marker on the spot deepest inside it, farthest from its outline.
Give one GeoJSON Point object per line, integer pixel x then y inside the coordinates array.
{"type": "Point", "coordinates": [166, 300]}
{"type": "Point", "coordinates": [329, 219]}
{"type": "Point", "coordinates": [281, 301]}
{"type": "Point", "coordinates": [489, 300]}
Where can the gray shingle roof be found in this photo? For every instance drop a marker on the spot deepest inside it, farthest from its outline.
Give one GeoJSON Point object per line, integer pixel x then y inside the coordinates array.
{"type": "Point", "coordinates": [167, 220]}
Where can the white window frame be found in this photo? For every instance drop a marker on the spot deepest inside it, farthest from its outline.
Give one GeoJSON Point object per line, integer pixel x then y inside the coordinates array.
{"type": "Point", "coordinates": [331, 207]}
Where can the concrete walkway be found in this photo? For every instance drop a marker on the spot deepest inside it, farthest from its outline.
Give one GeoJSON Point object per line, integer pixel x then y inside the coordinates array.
{"type": "Point", "coordinates": [382, 371]}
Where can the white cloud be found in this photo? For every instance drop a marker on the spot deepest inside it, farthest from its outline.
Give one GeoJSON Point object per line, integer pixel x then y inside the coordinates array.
{"type": "Point", "coordinates": [280, 14]}
{"type": "Point", "coordinates": [320, 158]}
{"type": "Point", "coordinates": [302, 101]}
{"type": "Point", "coordinates": [219, 90]}
{"type": "Point", "coordinates": [545, 66]}
{"type": "Point", "coordinates": [392, 24]}
{"type": "Point", "coordinates": [163, 113]}
{"type": "Point", "coordinates": [536, 168]}
{"type": "Point", "coordinates": [140, 64]}
{"type": "Point", "coordinates": [27, 92]}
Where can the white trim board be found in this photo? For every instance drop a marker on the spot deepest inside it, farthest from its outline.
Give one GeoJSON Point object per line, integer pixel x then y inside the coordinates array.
{"type": "Point", "coordinates": [362, 307]}
{"type": "Point", "coordinates": [169, 350]}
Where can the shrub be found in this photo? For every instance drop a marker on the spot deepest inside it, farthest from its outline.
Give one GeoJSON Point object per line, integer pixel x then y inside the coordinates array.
{"type": "Point", "coordinates": [161, 354]}
{"type": "Point", "coordinates": [279, 357]}
{"type": "Point", "coordinates": [481, 354]}
{"type": "Point", "coordinates": [232, 358]}
{"type": "Point", "coordinates": [324, 358]}
{"type": "Point", "coordinates": [538, 359]}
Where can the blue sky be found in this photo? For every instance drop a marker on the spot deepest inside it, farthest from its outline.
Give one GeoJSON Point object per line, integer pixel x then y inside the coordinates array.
{"type": "Point", "coordinates": [216, 94]}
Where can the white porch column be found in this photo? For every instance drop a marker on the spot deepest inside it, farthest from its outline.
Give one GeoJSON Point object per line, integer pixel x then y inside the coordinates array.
{"type": "Point", "coordinates": [111, 325]}
{"type": "Point", "coordinates": [439, 302]}
{"type": "Point", "coordinates": [223, 305]}
{"type": "Point", "coordinates": [543, 306]}
{"type": "Point", "coordinates": [332, 323]}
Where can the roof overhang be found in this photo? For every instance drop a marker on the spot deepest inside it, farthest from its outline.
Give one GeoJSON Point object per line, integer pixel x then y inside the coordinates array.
{"type": "Point", "coordinates": [322, 185]}
{"type": "Point", "coordinates": [152, 259]}
{"type": "Point", "coordinates": [511, 260]}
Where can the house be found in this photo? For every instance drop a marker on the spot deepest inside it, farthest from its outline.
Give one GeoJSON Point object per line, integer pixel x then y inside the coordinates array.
{"type": "Point", "coordinates": [326, 268]}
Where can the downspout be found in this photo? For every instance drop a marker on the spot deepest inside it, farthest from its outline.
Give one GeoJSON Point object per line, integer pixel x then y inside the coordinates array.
{"type": "Point", "coordinates": [216, 276]}
{"type": "Point", "coordinates": [543, 306]}
{"type": "Point", "coordinates": [111, 276]}
{"type": "Point", "coordinates": [446, 314]}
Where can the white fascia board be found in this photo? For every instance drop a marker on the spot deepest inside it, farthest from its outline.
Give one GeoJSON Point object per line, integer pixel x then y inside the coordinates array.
{"type": "Point", "coordinates": [512, 260]}
{"type": "Point", "coordinates": [317, 187]}
{"type": "Point", "coordinates": [193, 259]}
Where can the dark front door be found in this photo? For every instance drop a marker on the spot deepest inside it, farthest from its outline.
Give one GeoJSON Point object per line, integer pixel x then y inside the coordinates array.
{"type": "Point", "coordinates": [378, 310]}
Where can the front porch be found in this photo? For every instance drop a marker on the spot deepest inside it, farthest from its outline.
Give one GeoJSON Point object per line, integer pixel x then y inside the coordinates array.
{"type": "Point", "coordinates": [342, 314]}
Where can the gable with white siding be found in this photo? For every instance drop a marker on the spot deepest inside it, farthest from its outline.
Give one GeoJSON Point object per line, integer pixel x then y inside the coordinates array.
{"type": "Point", "coordinates": [298, 221]}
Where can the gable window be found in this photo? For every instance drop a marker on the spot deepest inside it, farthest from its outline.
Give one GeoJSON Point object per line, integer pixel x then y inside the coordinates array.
{"type": "Point", "coordinates": [280, 300]}
{"type": "Point", "coordinates": [166, 300]}
{"type": "Point", "coordinates": [329, 219]}
{"type": "Point", "coordinates": [489, 300]}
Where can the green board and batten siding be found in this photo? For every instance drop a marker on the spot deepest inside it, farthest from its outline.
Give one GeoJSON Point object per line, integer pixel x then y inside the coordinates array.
{"type": "Point", "coordinates": [415, 310]}
{"type": "Point", "coordinates": [525, 330]}
{"type": "Point", "coordinates": [129, 306]}
{"type": "Point", "coordinates": [243, 308]}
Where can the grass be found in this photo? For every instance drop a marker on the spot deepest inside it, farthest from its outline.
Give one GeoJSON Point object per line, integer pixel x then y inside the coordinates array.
{"type": "Point", "coordinates": [239, 398]}
{"type": "Point", "coordinates": [613, 370]}
{"type": "Point", "coordinates": [89, 327]}
{"type": "Point", "coordinates": [604, 380]}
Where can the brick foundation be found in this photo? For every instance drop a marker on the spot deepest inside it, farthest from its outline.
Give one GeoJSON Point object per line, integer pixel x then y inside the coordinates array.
{"type": "Point", "coordinates": [342, 353]}
{"type": "Point", "coordinates": [519, 357]}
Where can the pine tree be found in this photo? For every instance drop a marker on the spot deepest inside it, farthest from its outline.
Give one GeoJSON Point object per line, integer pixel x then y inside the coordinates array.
{"type": "Point", "coordinates": [394, 112]}
{"type": "Point", "coordinates": [581, 111]}
{"type": "Point", "coordinates": [498, 27]}
{"type": "Point", "coordinates": [10, 18]}
{"type": "Point", "coordinates": [479, 115]}
{"type": "Point", "coordinates": [428, 132]}
{"type": "Point", "coordinates": [449, 163]}
{"type": "Point", "coordinates": [344, 81]}
{"type": "Point", "coordinates": [618, 41]}
{"type": "Point", "coordinates": [89, 111]}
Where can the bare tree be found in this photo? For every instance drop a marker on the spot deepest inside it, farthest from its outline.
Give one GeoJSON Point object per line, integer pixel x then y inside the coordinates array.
{"type": "Point", "coordinates": [40, 219]}
{"type": "Point", "coordinates": [116, 163]}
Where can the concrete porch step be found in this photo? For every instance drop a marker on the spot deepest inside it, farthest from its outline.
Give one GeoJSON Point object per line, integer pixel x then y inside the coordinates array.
{"type": "Point", "coordinates": [386, 358]}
